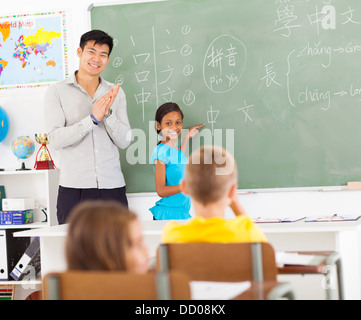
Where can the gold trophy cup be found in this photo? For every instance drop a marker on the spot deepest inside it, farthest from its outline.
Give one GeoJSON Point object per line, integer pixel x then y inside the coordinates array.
{"type": "Point", "coordinates": [45, 161]}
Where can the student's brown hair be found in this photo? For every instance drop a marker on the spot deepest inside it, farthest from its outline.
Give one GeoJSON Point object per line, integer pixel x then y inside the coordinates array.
{"type": "Point", "coordinates": [98, 236]}
{"type": "Point", "coordinates": [210, 173]}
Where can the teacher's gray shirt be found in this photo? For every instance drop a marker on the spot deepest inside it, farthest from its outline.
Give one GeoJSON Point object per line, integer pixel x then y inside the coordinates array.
{"type": "Point", "coordinates": [88, 153]}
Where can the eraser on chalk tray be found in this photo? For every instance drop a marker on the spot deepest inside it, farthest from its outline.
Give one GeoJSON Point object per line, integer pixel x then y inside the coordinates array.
{"type": "Point", "coordinates": [354, 185]}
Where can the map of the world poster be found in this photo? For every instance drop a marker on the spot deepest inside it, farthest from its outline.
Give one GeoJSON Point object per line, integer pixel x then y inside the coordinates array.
{"type": "Point", "coordinates": [33, 50]}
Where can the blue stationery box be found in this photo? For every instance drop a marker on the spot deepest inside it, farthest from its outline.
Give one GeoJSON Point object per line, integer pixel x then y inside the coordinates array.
{"type": "Point", "coordinates": [16, 217]}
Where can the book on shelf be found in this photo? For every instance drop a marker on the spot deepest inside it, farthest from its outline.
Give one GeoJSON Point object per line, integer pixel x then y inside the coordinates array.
{"type": "Point", "coordinates": [16, 217]}
{"type": "Point", "coordinates": [6, 291]}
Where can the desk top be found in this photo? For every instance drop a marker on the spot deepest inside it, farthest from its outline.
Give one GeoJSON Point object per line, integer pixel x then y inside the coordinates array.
{"type": "Point", "coordinates": [258, 290]}
{"type": "Point", "coordinates": [302, 226]}
{"type": "Point", "coordinates": [154, 228]}
{"type": "Point", "coordinates": [150, 227]}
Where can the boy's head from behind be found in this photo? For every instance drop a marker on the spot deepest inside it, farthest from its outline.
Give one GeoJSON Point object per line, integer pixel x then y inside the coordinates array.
{"type": "Point", "coordinates": [210, 174]}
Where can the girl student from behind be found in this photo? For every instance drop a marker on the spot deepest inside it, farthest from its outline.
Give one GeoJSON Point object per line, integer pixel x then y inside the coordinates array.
{"type": "Point", "coordinates": [105, 236]}
{"type": "Point", "coordinates": [169, 162]}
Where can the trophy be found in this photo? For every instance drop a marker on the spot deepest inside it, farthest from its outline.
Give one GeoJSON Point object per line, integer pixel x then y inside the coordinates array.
{"type": "Point", "coordinates": [45, 161]}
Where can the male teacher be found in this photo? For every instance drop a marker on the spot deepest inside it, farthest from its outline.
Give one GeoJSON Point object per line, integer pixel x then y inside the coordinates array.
{"type": "Point", "coordinates": [86, 120]}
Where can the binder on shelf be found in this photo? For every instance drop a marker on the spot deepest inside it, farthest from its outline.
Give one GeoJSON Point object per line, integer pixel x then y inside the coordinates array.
{"type": "Point", "coordinates": [29, 263]}
{"type": "Point", "coordinates": [11, 250]}
{"type": "Point", "coordinates": [3, 256]}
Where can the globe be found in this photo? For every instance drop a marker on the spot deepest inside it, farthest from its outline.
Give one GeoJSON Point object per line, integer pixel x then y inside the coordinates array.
{"type": "Point", "coordinates": [4, 124]}
{"type": "Point", "coordinates": [23, 147]}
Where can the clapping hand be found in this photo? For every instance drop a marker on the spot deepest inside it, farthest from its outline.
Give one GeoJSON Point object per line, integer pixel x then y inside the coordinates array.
{"type": "Point", "coordinates": [102, 106]}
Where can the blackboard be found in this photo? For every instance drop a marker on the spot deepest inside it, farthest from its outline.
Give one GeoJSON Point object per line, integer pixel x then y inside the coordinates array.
{"type": "Point", "coordinates": [276, 82]}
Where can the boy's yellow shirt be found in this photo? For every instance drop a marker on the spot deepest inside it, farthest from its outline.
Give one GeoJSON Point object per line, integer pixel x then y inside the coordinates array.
{"type": "Point", "coordinates": [199, 229]}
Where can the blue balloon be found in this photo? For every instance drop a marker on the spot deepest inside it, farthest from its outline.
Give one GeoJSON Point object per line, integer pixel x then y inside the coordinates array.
{"type": "Point", "coordinates": [4, 124]}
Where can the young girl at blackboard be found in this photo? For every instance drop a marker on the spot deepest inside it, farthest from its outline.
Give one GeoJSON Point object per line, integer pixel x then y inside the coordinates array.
{"type": "Point", "coordinates": [169, 161]}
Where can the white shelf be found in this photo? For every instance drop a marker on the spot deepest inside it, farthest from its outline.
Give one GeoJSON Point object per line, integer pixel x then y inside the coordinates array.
{"type": "Point", "coordinates": [34, 225]}
{"type": "Point", "coordinates": [24, 172]}
{"type": "Point", "coordinates": [41, 185]}
{"type": "Point", "coordinates": [21, 282]}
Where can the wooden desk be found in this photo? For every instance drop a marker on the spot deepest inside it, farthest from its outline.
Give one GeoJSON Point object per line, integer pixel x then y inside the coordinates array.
{"type": "Point", "coordinates": [291, 269]}
{"type": "Point", "coordinates": [343, 237]}
{"type": "Point", "coordinates": [329, 261]}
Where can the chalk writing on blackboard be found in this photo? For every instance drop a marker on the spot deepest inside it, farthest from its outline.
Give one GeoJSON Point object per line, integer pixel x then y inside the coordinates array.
{"type": "Point", "coordinates": [224, 63]}
{"type": "Point", "coordinates": [317, 50]}
{"type": "Point", "coordinates": [154, 77]}
{"type": "Point", "coordinates": [286, 18]}
{"type": "Point", "coordinates": [245, 110]}
{"type": "Point", "coordinates": [189, 98]}
{"type": "Point", "coordinates": [212, 116]}
{"type": "Point", "coordinates": [307, 94]}
{"type": "Point", "coordinates": [270, 77]}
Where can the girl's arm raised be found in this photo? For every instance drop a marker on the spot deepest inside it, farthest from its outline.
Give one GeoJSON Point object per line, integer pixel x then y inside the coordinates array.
{"type": "Point", "coordinates": [190, 134]}
{"type": "Point", "coordinates": [160, 178]}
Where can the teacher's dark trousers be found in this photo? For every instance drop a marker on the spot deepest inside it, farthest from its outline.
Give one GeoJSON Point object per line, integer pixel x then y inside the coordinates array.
{"type": "Point", "coordinates": [68, 198]}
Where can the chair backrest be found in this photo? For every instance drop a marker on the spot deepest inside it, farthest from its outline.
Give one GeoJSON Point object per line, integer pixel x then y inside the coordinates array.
{"type": "Point", "coordinates": [219, 261]}
{"type": "Point", "coordinates": [90, 285]}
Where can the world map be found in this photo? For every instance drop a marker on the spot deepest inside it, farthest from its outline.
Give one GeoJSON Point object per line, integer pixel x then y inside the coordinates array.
{"type": "Point", "coordinates": [32, 50]}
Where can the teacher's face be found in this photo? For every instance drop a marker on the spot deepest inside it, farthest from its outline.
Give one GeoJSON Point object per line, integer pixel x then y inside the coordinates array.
{"type": "Point", "coordinates": [93, 58]}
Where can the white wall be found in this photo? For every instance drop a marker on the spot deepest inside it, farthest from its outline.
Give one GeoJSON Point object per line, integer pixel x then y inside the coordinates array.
{"type": "Point", "coordinates": [25, 109]}
{"type": "Point", "coordinates": [25, 106]}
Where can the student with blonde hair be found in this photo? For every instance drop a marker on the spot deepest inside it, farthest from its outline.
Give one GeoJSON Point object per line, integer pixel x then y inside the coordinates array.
{"type": "Point", "coordinates": [211, 181]}
{"type": "Point", "coordinates": [105, 235]}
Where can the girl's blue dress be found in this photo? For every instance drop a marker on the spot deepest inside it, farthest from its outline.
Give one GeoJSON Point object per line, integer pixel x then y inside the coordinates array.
{"type": "Point", "coordinates": [176, 206]}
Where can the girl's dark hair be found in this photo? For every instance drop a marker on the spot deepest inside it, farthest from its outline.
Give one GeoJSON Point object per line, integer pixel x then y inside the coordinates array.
{"type": "Point", "coordinates": [164, 109]}
{"type": "Point", "coordinates": [100, 37]}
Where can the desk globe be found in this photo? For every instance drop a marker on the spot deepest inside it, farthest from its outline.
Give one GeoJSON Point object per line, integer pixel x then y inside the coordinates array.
{"type": "Point", "coordinates": [23, 147]}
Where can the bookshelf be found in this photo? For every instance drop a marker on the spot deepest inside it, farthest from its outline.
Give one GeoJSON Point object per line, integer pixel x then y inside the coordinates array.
{"type": "Point", "coordinates": [41, 185]}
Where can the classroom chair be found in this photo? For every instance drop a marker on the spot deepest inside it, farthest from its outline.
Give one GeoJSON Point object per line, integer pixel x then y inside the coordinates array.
{"type": "Point", "coordinates": [227, 262]}
{"type": "Point", "coordinates": [105, 285]}
{"type": "Point", "coordinates": [330, 258]}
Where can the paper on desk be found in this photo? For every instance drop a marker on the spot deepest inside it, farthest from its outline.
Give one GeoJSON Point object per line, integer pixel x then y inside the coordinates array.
{"type": "Point", "coordinates": [276, 220]}
{"type": "Point", "coordinates": [210, 290]}
{"type": "Point", "coordinates": [333, 218]}
{"type": "Point", "coordinates": [288, 258]}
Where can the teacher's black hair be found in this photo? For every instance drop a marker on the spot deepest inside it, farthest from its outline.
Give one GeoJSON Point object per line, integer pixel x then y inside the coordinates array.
{"type": "Point", "coordinates": [99, 36]}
